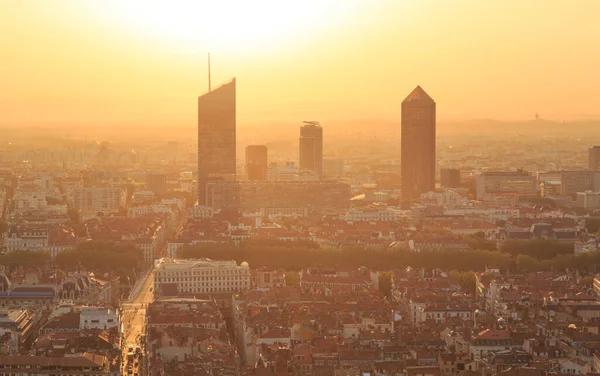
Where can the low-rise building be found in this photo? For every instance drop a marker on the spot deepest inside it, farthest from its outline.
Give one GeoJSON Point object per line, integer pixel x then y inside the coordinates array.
{"type": "Point", "coordinates": [97, 199]}
{"type": "Point", "coordinates": [20, 325]}
{"type": "Point", "coordinates": [175, 276]}
{"type": "Point", "coordinates": [264, 278]}
{"type": "Point", "coordinates": [27, 238]}
{"type": "Point", "coordinates": [98, 318]}
{"type": "Point", "coordinates": [26, 365]}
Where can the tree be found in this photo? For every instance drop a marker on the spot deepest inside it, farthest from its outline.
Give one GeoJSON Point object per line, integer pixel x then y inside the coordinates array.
{"type": "Point", "coordinates": [3, 226]}
{"type": "Point", "coordinates": [27, 259]}
{"type": "Point", "coordinates": [297, 256]}
{"type": "Point", "coordinates": [466, 280]}
{"type": "Point", "coordinates": [385, 284]}
{"type": "Point", "coordinates": [527, 264]}
{"type": "Point", "coordinates": [73, 215]}
{"type": "Point", "coordinates": [540, 249]}
{"type": "Point", "coordinates": [592, 224]}
{"type": "Point", "coordinates": [102, 257]}
{"type": "Point", "coordinates": [587, 281]}
{"type": "Point", "coordinates": [476, 242]}
{"type": "Point", "coordinates": [292, 278]}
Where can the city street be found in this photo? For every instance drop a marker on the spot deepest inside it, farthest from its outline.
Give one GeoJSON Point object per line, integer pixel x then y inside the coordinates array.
{"type": "Point", "coordinates": [133, 320]}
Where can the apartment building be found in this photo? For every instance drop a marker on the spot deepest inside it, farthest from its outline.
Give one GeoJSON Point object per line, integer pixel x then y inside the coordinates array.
{"type": "Point", "coordinates": [26, 200]}
{"type": "Point", "coordinates": [97, 199]}
{"type": "Point", "coordinates": [27, 365]}
{"type": "Point", "coordinates": [27, 238]}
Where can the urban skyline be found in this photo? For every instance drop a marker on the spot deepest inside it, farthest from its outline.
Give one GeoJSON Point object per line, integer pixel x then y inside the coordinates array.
{"type": "Point", "coordinates": [307, 217]}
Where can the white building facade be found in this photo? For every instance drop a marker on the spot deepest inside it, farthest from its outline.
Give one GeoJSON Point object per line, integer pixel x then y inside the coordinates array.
{"type": "Point", "coordinates": [98, 318]}
{"type": "Point", "coordinates": [174, 276]}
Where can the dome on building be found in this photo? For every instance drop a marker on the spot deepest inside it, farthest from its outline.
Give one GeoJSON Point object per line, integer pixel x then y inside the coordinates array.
{"type": "Point", "coordinates": [245, 264]}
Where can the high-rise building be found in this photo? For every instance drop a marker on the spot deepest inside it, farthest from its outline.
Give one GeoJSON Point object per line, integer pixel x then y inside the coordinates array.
{"type": "Point", "coordinates": [311, 147]}
{"type": "Point", "coordinates": [256, 162]}
{"type": "Point", "coordinates": [450, 177]}
{"type": "Point", "coordinates": [418, 145]}
{"type": "Point", "coordinates": [594, 158]}
{"type": "Point", "coordinates": [572, 182]}
{"type": "Point", "coordinates": [216, 137]}
{"type": "Point", "coordinates": [157, 183]}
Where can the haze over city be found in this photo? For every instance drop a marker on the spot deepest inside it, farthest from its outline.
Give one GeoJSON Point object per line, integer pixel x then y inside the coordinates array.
{"type": "Point", "coordinates": [295, 188]}
{"type": "Point", "coordinates": [143, 63]}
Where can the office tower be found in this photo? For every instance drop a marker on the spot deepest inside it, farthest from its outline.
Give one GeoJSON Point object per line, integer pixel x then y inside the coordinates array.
{"type": "Point", "coordinates": [418, 145]}
{"type": "Point", "coordinates": [216, 137]}
{"type": "Point", "coordinates": [157, 183]}
{"type": "Point", "coordinates": [594, 158]}
{"type": "Point", "coordinates": [572, 182]}
{"type": "Point", "coordinates": [311, 147]}
{"type": "Point", "coordinates": [256, 162]}
{"type": "Point", "coordinates": [450, 177]}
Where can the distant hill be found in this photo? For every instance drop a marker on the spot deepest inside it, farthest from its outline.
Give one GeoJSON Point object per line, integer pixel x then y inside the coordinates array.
{"type": "Point", "coordinates": [535, 126]}
{"type": "Point", "coordinates": [363, 129]}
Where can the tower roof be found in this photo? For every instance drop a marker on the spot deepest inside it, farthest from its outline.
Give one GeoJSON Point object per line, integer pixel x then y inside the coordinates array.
{"type": "Point", "coordinates": [418, 94]}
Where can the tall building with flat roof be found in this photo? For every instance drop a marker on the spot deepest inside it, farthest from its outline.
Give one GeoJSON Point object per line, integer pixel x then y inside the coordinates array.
{"type": "Point", "coordinates": [157, 183]}
{"type": "Point", "coordinates": [418, 145]}
{"type": "Point", "coordinates": [572, 182]}
{"type": "Point", "coordinates": [311, 147]}
{"type": "Point", "coordinates": [256, 162]}
{"type": "Point", "coordinates": [450, 177]}
{"type": "Point", "coordinates": [216, 137]}
{"type": "Point", "coordinates": [594, 158]}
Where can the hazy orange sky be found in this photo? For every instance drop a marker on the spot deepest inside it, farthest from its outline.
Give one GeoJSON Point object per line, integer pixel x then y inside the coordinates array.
{"type": "Point", "coordinates": [145, 62]}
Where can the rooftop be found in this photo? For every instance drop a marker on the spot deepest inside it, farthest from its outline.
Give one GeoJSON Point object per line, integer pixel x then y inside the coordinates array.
{"type": "Point", "coordinates": [418, 94]}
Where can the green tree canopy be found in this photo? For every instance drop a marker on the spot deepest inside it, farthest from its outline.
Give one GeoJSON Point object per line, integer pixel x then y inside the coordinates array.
{"type": "Point", "coordinates": [102, 257]}
{"type": "Point", "coordinates": [3, 226]}
{"type": "Point", "coordinates": [28, 259]}
{"type": "Point", "coordinates": [540, 249]}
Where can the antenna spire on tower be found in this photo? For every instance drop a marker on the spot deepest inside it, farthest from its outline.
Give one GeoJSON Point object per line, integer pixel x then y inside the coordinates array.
{"type": "Point", "coordinates": [209, 72]}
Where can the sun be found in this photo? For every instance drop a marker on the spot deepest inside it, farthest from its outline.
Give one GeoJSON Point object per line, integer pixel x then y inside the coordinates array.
{"type": "Point", "coordinates": [225, 25]}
